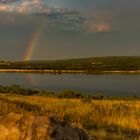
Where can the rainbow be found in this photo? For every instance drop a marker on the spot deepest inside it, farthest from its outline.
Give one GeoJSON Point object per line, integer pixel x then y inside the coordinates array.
{"type": "Point", "coordinates": [31, 79]}
{"type": "Point", "coordinates": [34, 41]}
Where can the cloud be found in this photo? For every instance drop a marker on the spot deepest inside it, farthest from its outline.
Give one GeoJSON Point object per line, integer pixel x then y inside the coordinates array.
{"type": "Point", "coordinates": [60, 17]}
{"type": "Point", "coordinates": [4, 8]}
{"type": "Point", "coordinates": [38, 7]}
{"type": "Point", "coordinates": [68, 20]}
{"type": "Point", "coordinates": [24, 6]}
{"type": "Point", "coordinates": [7, 1]}
{"type": "Point", "coordinates": [100, 27]}
{"type": "Point", "coordinates": [27, 7]}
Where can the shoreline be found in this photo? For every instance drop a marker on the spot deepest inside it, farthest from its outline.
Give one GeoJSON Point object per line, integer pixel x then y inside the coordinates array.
{"type": "Point", "coordinates": [70, 71]}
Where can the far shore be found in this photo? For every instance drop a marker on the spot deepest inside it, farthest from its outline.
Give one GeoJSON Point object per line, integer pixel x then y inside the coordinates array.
{"type": "Point", "coordinates": [70, 71]}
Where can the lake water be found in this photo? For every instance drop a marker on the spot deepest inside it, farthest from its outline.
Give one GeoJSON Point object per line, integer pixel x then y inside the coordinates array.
{"type": "Point", "coordinates": [109, 84]}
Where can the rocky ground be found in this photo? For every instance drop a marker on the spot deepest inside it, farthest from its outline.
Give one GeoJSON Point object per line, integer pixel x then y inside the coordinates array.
{"type": "Point", "coordinates": [30, 127]}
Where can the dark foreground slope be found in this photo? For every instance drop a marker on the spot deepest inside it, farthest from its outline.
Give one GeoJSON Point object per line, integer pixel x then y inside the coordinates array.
{"type": "Point", "coordinates": [30, 127]}
{"type": "Point", "coordinates": [102, 119]}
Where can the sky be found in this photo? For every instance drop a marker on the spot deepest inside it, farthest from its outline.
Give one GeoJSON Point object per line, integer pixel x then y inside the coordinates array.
{"type": "Point", "coordinates": [61, 29]}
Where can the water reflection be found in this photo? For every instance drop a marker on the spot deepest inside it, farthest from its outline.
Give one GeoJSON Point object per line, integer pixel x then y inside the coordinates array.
{"type": "Point", "coordinates": [108, 84]}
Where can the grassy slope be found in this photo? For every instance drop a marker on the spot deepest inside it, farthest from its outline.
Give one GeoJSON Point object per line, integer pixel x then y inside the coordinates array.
{"type": "Point", "coordinates": [104, 119]}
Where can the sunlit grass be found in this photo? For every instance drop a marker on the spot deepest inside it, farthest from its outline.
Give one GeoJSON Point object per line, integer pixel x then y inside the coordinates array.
{"type": "Point", "coordinates": [103, 119]}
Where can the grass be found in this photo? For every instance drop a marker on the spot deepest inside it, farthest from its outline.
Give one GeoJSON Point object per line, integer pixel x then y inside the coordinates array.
{"type": "Point", "coordinates": [103, 119]}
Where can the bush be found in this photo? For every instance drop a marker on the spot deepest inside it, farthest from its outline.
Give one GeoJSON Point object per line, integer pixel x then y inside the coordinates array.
{"type": "Point", "coordinates": [99, 96]}
{"type": "Point", "coordinates": [17, 90]}
{"type": "Point", "coordinates": [47, 93]}
{"type": "Point", "coordinates": [87, 98]}
{"type": "Point", "coordinates": [69, 94]}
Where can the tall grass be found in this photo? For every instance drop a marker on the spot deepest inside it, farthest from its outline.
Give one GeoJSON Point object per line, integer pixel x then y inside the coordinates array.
{"type": "Point", "coordinates": [103, 119]}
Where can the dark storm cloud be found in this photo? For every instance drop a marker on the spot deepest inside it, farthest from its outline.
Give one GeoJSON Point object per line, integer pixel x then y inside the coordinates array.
{"type": "Point", "coordinates": [68, 20]}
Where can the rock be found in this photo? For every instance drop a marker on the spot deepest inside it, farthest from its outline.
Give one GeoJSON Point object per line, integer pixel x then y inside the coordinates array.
{"type": "Point", "coordinates": [29, 127]}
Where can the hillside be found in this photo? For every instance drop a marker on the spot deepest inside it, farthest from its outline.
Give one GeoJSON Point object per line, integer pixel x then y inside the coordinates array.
{"type": "Point", "coordinates": [15, 126]}
{"type": "Point", "coordinates": [86, 65]}
{"type": "Point", "coordinates": [102, 119]}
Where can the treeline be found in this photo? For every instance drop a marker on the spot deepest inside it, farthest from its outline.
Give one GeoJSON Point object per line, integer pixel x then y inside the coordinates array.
{"type": "Point", "coordinates": [68, 94]}
{"type": "Point", "coordinates": [96, 64]}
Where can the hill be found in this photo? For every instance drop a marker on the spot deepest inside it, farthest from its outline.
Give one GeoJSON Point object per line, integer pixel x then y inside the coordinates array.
{"type": "Point", "coordinates": [85, 65]}
{"type": "Point", "coordinates": [102, 119]}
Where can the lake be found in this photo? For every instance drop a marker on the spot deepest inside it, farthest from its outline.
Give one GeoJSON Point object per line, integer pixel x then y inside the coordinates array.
{"type": "Point", "coordinates": [108, 84]}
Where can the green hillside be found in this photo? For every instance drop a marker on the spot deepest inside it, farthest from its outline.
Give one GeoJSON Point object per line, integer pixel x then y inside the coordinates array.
{"type": "Point", "coordinates": [89, 65]}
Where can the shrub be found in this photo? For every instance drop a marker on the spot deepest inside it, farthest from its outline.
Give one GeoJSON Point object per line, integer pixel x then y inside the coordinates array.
{"type": "Point", "coordinates": [69, 94]}
{"type": "Point", "coordinates": [99, 96]}
{"type": "Point", "coordinates": [87, 98]}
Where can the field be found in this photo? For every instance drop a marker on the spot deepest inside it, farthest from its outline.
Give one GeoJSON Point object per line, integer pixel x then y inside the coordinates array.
{"type": "Point", "coordinates": [102, 119]}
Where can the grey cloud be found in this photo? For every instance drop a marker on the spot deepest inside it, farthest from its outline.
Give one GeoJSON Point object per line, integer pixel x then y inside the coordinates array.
{"type": "Point", "coordinates": [7, 1]}
{"type": "Point", "coordinates": [67, 20]}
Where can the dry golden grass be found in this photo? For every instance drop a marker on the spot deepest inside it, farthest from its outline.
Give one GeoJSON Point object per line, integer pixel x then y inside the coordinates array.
{"type": "Point", "coordinates": [104, 119]}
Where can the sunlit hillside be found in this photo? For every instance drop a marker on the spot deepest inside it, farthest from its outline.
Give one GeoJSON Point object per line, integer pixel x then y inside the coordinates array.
{"type": "Point", "coordinates": [103, 119]}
